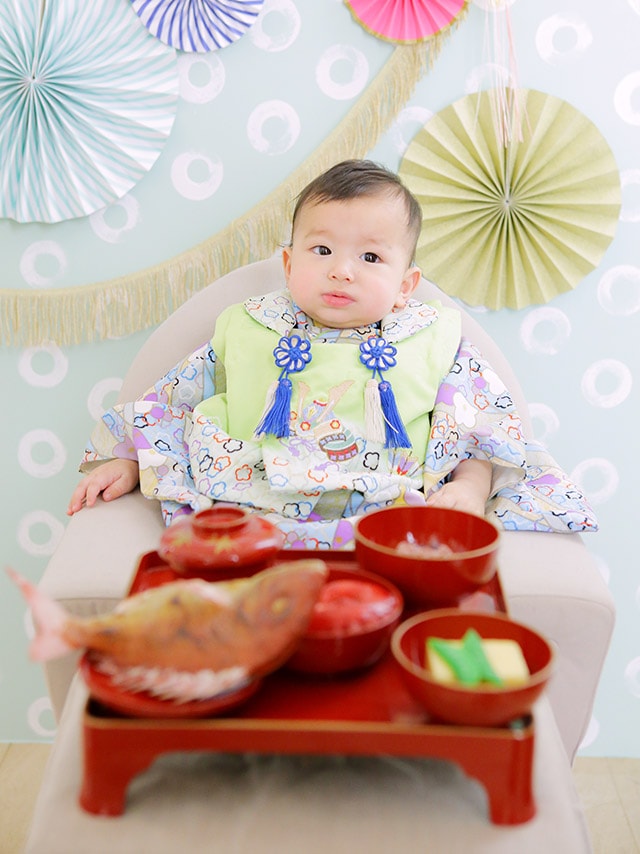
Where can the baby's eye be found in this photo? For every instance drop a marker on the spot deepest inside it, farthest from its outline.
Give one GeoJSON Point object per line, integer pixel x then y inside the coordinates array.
{"type": "Point", "coordinates": [371, 257]}
{"type": "Point", "coordinates": [321, 250]}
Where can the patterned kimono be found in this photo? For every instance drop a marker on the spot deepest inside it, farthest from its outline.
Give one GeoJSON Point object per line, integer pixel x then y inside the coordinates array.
{"type": "Point", "coordinates": [194, 433]}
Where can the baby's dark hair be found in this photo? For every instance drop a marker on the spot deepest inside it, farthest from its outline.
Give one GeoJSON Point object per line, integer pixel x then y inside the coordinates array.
{"type": "Point", "coordinates": [352, 179]}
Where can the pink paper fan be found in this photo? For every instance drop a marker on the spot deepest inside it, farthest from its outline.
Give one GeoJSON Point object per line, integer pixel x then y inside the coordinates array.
{"type": "Point", "coordinates": [406, 20]}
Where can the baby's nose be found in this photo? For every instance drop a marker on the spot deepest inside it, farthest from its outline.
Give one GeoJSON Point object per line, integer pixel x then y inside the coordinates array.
{"type": "Point", "coordinates": [342, 270]}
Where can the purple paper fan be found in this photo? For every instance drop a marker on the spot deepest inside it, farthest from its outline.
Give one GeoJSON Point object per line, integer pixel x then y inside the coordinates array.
{"type": "Point", "coordinates": [197, 26]}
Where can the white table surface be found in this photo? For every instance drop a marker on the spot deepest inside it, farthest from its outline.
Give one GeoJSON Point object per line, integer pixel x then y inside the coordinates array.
{"type": "Point", "coordinates": [250, 804]}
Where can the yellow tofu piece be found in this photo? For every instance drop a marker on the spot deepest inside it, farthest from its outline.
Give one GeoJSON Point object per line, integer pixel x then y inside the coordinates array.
{"type": "Point", "coordinates": [505, 657]}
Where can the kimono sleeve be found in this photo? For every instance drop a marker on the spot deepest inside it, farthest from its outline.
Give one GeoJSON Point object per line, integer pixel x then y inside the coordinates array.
{"type": "Point", "coordinates": [475, 417]}
{"type": "Point", "coordinates": [178, 392]}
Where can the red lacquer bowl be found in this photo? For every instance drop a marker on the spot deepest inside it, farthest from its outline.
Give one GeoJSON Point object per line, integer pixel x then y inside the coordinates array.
{"type": "Point", "coordinates": [142, 704]}
{"type": "Point", "coordinates": [355, 645]}
{"type": "Point", "coordinates": [426, 577]}
{"type": "Point", "coordinates": [222, 542]}
{"type": "Point", "coordinates": [482, 705]}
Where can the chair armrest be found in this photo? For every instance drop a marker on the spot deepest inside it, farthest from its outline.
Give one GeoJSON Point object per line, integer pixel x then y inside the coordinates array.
{"type": "Point", "coordinates": [552, 583]}
{"type": "Point", "coordinates": [92, 567]}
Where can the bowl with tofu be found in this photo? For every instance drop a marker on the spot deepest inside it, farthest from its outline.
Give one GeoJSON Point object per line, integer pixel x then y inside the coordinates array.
{"type": "Point", "coordinates": [472, 669]}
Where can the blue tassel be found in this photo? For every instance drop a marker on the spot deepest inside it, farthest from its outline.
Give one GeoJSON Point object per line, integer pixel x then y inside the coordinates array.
{"type": "Point", "coordinates": [276, 419]}
{"type": "Point", "coordinates": [395, 433]}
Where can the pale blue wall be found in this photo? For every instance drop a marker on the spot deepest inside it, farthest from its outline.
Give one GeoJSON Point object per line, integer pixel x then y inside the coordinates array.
{"type": "Point", "coordinates": [573, 49]}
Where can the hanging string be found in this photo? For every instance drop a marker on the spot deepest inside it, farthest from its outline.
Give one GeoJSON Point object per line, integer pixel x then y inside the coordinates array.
{"type": "Point", "coordinates": [500, 58]}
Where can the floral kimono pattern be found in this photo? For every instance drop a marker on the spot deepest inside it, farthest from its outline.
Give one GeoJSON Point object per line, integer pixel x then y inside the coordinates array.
{"type": "Point", "coordinates": [188, 460]}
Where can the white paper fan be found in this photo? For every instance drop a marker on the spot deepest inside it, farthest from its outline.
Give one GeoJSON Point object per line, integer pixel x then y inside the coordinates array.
{"type": "Point", "coordinates": [87, 102]}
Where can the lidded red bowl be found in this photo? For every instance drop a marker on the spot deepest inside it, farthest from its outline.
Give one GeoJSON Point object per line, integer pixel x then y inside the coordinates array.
{"type": "Point", "coordinates": [223, 541]}
{"type": "Point", "coordinates": [435, 556]}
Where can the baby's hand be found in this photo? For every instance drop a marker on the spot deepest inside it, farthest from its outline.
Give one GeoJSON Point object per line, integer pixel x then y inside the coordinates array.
{"type": "Point", "coordinates": [113, 479]}
{"type": "Point", "coordinates": [468, 489]}
{"type": "Point", "coordinates": [457, 496]}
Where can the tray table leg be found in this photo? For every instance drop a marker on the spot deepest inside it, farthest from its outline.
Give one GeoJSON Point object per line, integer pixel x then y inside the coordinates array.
{"type": "Point", "coordinates": [109, 767]}
{"type": "Point", "coordinates": [506, 772]}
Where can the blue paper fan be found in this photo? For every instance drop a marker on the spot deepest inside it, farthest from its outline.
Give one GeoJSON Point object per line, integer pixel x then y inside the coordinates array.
{"type": "Point", "coordinates": [87, 102]}
{"type": "Point", "coordinates": [197, 26]}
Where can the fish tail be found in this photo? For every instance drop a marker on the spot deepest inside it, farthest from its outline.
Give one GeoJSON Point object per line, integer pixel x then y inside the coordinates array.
{"type": "Point", "coordinates": [49, 620]}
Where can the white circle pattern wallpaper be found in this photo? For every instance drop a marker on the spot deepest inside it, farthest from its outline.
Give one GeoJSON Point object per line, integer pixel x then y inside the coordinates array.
{"type": "Point", "coordinates": [247, 116]}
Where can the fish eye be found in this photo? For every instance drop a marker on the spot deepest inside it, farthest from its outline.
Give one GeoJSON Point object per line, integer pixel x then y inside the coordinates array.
{"type": "Point", "coordinates": [281, 606]}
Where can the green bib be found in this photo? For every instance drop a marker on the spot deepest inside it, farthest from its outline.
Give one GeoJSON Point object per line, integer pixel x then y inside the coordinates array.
{"type": "Point", "coordinates": [328, 395]}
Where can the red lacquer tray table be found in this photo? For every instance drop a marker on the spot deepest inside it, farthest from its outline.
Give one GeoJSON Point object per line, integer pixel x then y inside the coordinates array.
{"type": "Point", "coordinates": [368, 713]}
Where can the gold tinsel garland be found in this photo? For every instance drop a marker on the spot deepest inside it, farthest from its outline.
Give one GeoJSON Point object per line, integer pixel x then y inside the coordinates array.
{"type": "Point", "coordinates": [127, 304]}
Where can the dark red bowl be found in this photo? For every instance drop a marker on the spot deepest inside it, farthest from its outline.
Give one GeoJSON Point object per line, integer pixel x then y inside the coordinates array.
{"type": "Point", "coordinates": [341, 650]}
{"type": "Point", "coordinates": [428, 579]}
{"type": "Point", "coordinates": [459, 704]}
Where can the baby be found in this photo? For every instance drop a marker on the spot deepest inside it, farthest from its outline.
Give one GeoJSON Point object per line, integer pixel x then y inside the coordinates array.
{"type": "Point", "coordinates": [335, 396]}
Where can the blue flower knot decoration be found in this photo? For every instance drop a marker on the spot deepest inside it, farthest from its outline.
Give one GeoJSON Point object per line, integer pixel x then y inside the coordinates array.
{"type": "Point", "coordinates": [292, 354]}
{"type": "Point", "coordinates": [377, 354]}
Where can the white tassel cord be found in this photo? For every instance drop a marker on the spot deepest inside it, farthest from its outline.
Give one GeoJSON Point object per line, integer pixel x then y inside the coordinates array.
{"type": "Point", "coordinates": [373, 415]}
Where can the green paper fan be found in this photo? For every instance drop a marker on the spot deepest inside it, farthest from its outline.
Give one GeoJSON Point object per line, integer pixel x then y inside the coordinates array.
{"type": "Point", "coordinates": [517, 225]}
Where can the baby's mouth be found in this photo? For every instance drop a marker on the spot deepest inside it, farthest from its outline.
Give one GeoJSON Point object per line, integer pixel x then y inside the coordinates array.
{"type": "Point", "coordinates": [337, 299]}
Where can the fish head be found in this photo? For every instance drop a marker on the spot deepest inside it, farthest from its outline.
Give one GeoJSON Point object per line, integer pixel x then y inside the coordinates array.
{"type": "Point", "coordinates": [276, 607]}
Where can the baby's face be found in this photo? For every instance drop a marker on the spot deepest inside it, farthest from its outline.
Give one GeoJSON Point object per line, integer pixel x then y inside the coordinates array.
{"type": "Point", "coordinates": [349, 262]}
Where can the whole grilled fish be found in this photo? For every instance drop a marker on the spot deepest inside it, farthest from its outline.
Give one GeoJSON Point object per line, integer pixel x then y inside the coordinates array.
{"type": "Point", "coordinates": [188, 637]}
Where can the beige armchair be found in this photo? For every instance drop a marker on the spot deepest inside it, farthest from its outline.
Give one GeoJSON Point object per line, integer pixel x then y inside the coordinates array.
{"type": "Point", "coordinates": [550, 580]}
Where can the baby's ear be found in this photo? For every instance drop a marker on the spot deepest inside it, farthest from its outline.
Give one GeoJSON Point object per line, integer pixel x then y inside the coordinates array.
{"type": "Point", "coordinates": [410, 282]}
{"type": "Point", "coordinates": [286, 261]}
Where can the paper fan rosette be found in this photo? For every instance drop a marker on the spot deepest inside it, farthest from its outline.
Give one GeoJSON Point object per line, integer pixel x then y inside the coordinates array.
{"type": "Point", "coordinates": [406, 21]}
{"type": "Point", "coordinates": [87, 102]}
{"type": "Point", "coordinates": [516, 225]}
{"type": "Point", "coordinates": [197, 26]}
